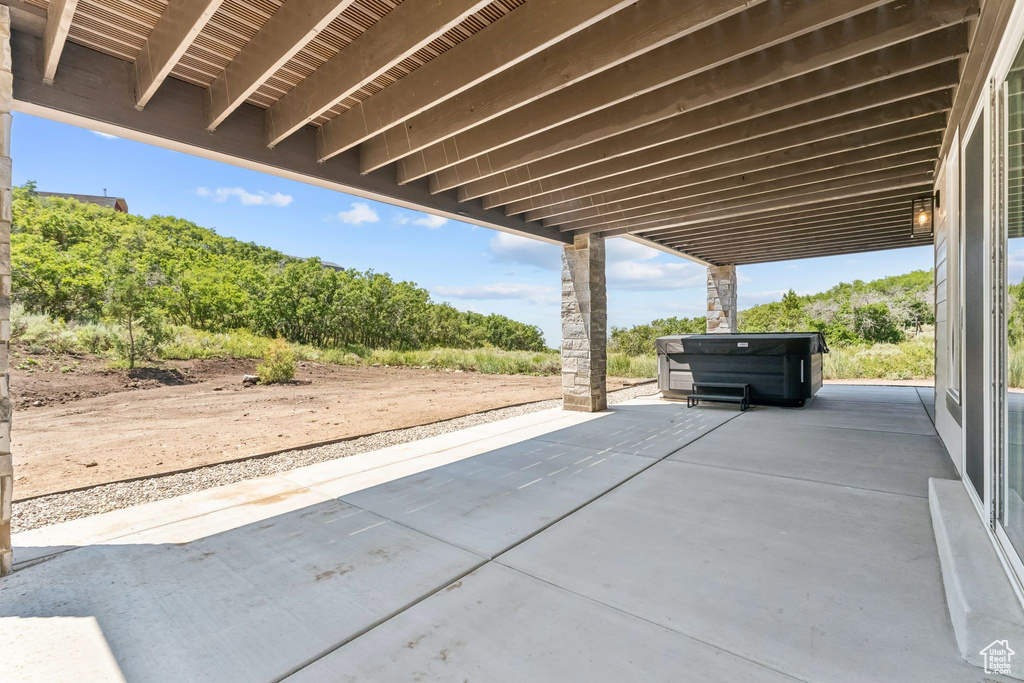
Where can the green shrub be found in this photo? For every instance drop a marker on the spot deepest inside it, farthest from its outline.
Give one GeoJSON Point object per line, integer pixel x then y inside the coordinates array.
{"type": "Point", "coordinates": [1015, 367]}
{"type": "Point", "coordinates": [81, 262]}
{"type": "Point", "coordinates": [639, 339]}
{"type": "Point", "coordinates": [622, 365]}
{"type": "Point", "coordinates": [278, 363]}
{"type": "Point", "coordinates": [910, 359]}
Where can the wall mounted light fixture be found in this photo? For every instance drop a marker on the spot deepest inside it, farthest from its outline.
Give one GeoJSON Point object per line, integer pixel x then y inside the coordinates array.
{"type": "Point", "coordinates": [922, 216]}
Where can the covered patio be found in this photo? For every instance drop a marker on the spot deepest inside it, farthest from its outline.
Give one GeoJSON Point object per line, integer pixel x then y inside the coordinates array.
{"type": "Point", "coordinates": [726, 132]}
{"type": "Point", "coordinates": [646, 542]}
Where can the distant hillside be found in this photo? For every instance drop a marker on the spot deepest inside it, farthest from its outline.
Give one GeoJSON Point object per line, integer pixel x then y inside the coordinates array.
{"type": "Point", "coordinates": [85, 263]}
{"type": "Point", "coordinates": [885, 310]}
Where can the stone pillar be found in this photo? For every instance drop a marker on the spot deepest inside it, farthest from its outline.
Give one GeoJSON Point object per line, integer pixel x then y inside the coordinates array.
{"type": "Point", "coordinates": [722, 311]}
{"type": "Point", "coordinates": [6, 469]}
{"type": "Point", "coordinates": [584, 325]}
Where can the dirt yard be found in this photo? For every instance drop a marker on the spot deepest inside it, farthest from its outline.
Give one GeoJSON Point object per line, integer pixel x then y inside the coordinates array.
{"type": "Point", "coordinates": [89, 425]}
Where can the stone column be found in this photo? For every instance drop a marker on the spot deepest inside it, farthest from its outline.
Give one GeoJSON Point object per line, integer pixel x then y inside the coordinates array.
{"type": "Point", "coordinates": [6, 469]}
{"type": "Point", "coordinates": [584, 325]}
{"type": "Point", "coordinates": [722, 299]}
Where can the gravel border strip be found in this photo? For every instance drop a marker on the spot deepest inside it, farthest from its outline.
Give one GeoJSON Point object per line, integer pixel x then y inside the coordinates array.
{"type": "Point", "coordinates": [63, 507]}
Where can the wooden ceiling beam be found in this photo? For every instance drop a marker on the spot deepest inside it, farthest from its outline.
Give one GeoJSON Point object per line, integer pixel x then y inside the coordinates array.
{"type": "Point", "coordinates": [401, 32]}
{"type": "Point", "coordinates": [844, 189]}
{"type": "Point", "coordinates": [902, 221]}
{"type": "Point", "coordinates": [58, 23]}
{"type": "Point", "coordinates": [708, 51]}
{"type": "Point", "coordinates": [892, 237]}
{"type": "Point", "coordinates": [670, 226]}
{"type": "Point", "coordinates": [644, 26]}
{"type": "Point", "coordinates": [859, 249]}
{"type": "Point", "coordinates": [174, 32]}
{"type": "Point", "coordinates": [287, 31]}
{"type": "Point", "coordinates": [883, 237]}
{"type": "Point", "coordinates": [863, 216]}
{"type": "Point", "coordinates": [483, 151]}
{"type": "Point", "coordinates": [762, 112]}
{"type": "Point", "coordinates": [735, 192]}
{"type": "Point", "coordinates": [519, 35]}
{"type": "Point", "coordinates": [841, 244]}
{"type": "Point", "coordinates": [27, 18]}
{"type": "Point", "coordinates": [844, 133]}
{"type": "Point", "coordinates": [985, 38]}
{"type": "Point", "coordinates": [805, 160]}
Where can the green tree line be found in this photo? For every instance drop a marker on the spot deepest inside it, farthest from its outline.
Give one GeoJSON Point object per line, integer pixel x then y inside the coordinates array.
{"type": "Point", "coordinates": [887, 310]}
{"type": "Point", "coordinates": [83, 263]}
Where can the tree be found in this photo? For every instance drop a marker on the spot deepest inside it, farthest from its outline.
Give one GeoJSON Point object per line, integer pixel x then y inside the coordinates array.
{"type": "Point", "coordinates": [63, 284]}
{"type": "Point", "coordinates": [132, 302]}
{"type": "Point", "coordinates": [639, 340]}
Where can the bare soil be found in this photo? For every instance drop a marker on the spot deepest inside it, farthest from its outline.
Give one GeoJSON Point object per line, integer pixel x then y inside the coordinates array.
{"type": "Point", "coordinates": [89, 425]}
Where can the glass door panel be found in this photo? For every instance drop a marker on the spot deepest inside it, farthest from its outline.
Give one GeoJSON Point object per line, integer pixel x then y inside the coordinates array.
{"type": "Point", "coordinates": [1009, 291]}
{"type": "Point", "coordinates": [975, 208]}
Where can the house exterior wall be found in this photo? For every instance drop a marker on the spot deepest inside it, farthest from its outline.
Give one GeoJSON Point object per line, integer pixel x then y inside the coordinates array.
{"type": "Point", "coordinates": [947, 221]}
{"type": "Point", "coordinates": [6, 464]}
{"type": "Point", "coordinates": [969, 226]}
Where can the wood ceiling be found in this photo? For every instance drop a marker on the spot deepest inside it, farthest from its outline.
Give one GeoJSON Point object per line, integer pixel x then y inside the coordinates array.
{"type": "Point", "coordinates": [732, 131]}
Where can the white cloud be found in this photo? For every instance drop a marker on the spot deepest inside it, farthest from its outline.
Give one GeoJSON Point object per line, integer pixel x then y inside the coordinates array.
{"type": "Point", "coordinates": [536, 294]}
{"type": "Point", "coordinates": [793, 266]}
{"type": "Point", "coordinates": [655, 275]}
{"type": "Point", "coordinates": [628, 250]}
{"type": "Point", "coordinates": [358, 213]}
{"type": "Point", "coordinates": [630, 265]}
{"type": "Point", "coordinates": [432, 222]}
{"type": "Point", "coordinates": [1015, 266]}
{"type": "Point", "coordinates": [105, 136]}
{"type": "Point", "coordinates": [508, 248]}
{"type": "Point", "coordinates": [637, 267]}
{"type": "Point", "coordinates": [263, 198]}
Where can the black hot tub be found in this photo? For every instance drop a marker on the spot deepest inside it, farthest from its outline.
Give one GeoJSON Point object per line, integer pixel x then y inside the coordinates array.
{"type": "Point", "coordinates": [781, 368]}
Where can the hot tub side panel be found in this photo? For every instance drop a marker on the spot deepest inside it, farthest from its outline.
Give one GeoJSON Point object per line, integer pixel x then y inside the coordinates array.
{"type": "Point", "coordinates": [780, 369]}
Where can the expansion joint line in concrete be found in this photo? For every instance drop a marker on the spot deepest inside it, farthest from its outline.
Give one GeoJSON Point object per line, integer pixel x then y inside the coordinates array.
{"type": "Point", "coordinates": [496, 557]}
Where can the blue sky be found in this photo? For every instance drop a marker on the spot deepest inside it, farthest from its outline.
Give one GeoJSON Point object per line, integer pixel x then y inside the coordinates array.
{"type": "Point", "coordinates": [473, 268]}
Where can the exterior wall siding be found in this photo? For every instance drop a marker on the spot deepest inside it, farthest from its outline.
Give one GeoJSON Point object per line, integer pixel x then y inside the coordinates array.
{"type": "Point", "coordinates": [947, 223]}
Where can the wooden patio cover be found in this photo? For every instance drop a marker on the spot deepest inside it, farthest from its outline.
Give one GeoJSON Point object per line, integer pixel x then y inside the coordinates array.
{"type": "Point", "coordinates": [727, 131]}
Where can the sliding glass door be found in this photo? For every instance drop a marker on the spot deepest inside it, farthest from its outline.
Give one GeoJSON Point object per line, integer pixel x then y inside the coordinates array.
{"type": "Point", "coordinates": [975, 208]}
{"type": "Point", "coordinates": [1007, 280]}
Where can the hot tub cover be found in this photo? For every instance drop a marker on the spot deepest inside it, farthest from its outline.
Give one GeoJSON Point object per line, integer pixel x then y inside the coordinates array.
{"type": "Point", "coordinates": [748, 343]}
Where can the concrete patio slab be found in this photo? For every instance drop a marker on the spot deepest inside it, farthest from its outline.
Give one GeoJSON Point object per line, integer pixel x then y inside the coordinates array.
{"type": "Point", "coordinates": [868, 394]}
{"type": "Point", "coordinates": [927, 395]}
{"type": "Point", "coordinates": [479, 628]}
{"type": "Point", "coordinates": [653, 433]}
{"type": "Point", "coordinates": [982, 605]}
{"type": "Point", "coordinates": [459, 443]}
{"type": "Point", "coordinates": [48, 540]}
{"type": "Point", "coordinates": [251, 592]}
{"type": "Point", "coordinates": [822, 582]}
{"type": "Point", "coordinates": [909, 418]}
{"type": "Point", "coordinates": [771, 559]}
{"type": "Point", "coordinates": [880, 461]}
{"type": "Point", "coordinates": [495, 499]}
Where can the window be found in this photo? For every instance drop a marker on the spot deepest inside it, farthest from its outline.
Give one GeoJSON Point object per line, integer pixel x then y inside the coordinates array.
{"type": "Point", "coordinates": [954, 270]}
